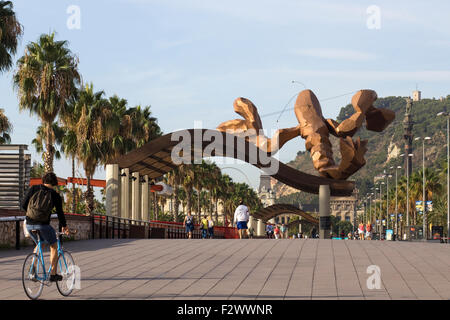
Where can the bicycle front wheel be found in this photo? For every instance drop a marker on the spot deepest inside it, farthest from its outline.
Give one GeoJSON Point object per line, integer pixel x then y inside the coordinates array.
{"type": "Point", "coordinates": [33, 275]}
{"type": "Point", "coordinates": [67, 269]}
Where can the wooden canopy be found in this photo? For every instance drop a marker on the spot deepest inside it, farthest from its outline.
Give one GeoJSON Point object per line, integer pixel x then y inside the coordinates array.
{"type": "Point", "coordinates": [155, 159]}
{"type": "Point", "coordinates": [277, 209]}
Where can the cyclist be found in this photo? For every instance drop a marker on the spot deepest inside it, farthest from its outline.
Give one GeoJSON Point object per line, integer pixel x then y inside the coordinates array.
{"type": "Point", "coordinates": [39, 203]}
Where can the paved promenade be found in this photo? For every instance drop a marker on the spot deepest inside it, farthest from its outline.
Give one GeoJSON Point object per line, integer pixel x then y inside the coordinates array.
{"type": "Point", "coordinates": [245, 269]}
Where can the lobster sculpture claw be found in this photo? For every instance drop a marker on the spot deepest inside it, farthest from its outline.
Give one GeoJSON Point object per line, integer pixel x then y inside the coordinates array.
{"type": "Point", "coordinates": [316, 130]}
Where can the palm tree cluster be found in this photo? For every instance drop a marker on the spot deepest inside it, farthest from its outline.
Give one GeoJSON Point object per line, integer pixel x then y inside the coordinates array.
{"type": "Point", "coordinates": [10, 32]}
{"type": "Point", "coordinates": [434, 180]}
{"type": "Point", "coordinates": [202, 187]}
{"type": "Point", "coordinates": [75, 119]}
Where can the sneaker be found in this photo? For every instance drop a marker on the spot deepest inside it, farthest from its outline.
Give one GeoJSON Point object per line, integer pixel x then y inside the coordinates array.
{"type": "Point", "coordinates": [55, 277]}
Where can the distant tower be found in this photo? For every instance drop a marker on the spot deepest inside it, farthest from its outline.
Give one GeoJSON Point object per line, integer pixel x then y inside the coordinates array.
{"type": "Point", "coordinates": [407, 126]}
{"type": "Point", "coordinates": [416, 94]}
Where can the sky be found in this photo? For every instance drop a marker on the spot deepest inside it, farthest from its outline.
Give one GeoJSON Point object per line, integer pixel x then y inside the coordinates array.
{"type": "Point", "coordinates": [189, 60]}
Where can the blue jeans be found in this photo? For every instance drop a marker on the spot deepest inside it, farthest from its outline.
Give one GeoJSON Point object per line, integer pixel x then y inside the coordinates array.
{"type": "Point", "coordinates": [46, 232]}
{"type": "Point", "coordinates": [204, 233]}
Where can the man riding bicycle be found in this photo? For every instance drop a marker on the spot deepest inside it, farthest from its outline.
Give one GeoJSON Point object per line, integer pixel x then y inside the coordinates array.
{"type": "Point", "coordinates": [39, 203]}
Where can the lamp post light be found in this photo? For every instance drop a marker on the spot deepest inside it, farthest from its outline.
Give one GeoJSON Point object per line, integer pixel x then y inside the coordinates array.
{"type": "Point", "coordinates": [448, 173]}
{"type": "Point", "coordinates": [387, 200]}
{"type": "Point", "coordinates": [396, 201]}
{"type": "Point", "coordinates": [407, 189]}
{"type": "Point", "coordinates": [381, 209]}
{"type": "Point", "coordinates": [424, 216]}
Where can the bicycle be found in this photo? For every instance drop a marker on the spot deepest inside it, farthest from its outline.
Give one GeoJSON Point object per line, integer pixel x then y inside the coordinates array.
{"type": "Point", "coordinates": [35, 276]}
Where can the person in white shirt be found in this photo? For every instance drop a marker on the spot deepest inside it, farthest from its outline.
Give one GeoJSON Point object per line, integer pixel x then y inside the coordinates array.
{"type": "Point", "coordinates": [241, 217]}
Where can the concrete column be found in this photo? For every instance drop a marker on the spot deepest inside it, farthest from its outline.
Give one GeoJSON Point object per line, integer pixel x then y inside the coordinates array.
{"type": "Point", "coordinates": [135, 197]}
{"type": "Point", "coordinates": [112, 190]}
{"type": "Point", "coordinates": [145, 212]}
{"type": "Point", "coordinates": [324, 212]}
{"type": "Point", "coordinates": [260, 229]}
{"type": "Point", "coordinates": [125, 194]}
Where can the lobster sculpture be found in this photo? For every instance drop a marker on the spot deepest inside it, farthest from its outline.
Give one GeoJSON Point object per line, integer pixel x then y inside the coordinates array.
{"type": "Point", "coordinates": [316, 130]}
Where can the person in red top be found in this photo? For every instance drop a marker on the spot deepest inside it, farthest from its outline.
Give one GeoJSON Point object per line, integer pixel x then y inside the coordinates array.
{"type": "Point", "coordinates": [277, 232]}
{"type": "Point", "coordinates": [361, 231]}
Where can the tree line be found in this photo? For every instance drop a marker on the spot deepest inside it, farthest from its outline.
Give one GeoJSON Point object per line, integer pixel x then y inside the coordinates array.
{"type": "Point", "coordinates": [92, 129]}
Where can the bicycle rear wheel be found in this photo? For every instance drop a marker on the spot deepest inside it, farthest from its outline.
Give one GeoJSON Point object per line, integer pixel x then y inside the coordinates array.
{"type": "Point", "coordinates": [67, 269]}
{"type": "Point", "coordinates": [33, 274]}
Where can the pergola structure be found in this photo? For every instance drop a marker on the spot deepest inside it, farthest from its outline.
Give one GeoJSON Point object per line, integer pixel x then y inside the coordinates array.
{"type": "Point", "coordinates": [272, 211]}
{"type": "Point", "coordinates": [128, 177]}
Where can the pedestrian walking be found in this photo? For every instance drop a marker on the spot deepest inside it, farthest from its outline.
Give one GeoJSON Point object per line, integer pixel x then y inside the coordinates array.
{"type": "Point", "coordinates": [241, 217]}
{"type": "Point", "coordinates": [283, 230]}
{"type": "Point", "coordinates": [369, 231]}
{"type": "Point", "coordinates": [361, 231]}
{"type": "Point", "coordinates": [251, 232]}
{"type": "Point", "coordinates": [269, 231]}
{"type": "Point", "coordinates": [277, 231]}
{"type": "Point", "coordinates": [189, 224]}
{"type": "Point", "coordinates": [204, 227]}
{"type": "Point", "coordinates": [210, 227]}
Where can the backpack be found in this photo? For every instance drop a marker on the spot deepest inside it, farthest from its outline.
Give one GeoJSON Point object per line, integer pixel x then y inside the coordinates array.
{"type": "Point", "coordinates": [40, 205]}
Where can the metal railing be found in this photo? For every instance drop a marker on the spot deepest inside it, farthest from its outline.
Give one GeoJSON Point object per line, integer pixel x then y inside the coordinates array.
{"type": "Point", "coordinates": [109, 227]}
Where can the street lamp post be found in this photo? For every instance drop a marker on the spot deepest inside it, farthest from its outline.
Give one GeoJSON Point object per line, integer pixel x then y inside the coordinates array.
{"type": "Point", "coordinates": [381, 209]}
{"type": "Point", "coordinates": [396, 201]}
{"type": "Point", "coordinates": [387, 200]}
{"type": "Point", "coordinates": [407, 190]}
{"type": "Point", "coordinates": [448, 173]}
{"type": "Point", "coordinates": [424, 216]}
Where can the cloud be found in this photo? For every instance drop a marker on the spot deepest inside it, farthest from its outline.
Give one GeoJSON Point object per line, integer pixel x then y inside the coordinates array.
{"type": "Point", "coordinates": [333, 53]}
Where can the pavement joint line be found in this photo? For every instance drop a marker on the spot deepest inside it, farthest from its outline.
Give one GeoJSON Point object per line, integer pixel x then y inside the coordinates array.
{"type": "Point", "coordinates": [242, 260]}
{"type": "Point", "coordinates": [211, 268]}
{"type": "Point", "coordinates": [389, 261]}
{"type": "Point", "coordinates": [408, 262]}
{"type": "Point", "coordinates": [385, 289]}
{"type": "Point", "coordinates": [253, 270]}
{"type": "Point", "coordinates": [275, 266]}
{"type": "Point", "coordinates": [297, 266]}
{"type": "Point", "coordinates": [176, 266]}
{"type": "Point", "coordinates": [178, 248]}
{"type": "Point", "coordinates": [125, 263]}
{"type": "Point", "coordinates": [354, 268]}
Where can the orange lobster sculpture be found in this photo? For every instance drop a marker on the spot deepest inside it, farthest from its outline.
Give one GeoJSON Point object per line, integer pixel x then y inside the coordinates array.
{"type": "Point", "coordinates": [316, 130]}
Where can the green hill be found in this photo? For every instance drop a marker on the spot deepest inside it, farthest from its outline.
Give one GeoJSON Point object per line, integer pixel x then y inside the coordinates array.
{"type": "Point", "coordinates": [384, 148]}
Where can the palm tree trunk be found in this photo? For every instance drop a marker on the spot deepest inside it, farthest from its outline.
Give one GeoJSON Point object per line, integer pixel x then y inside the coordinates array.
{"type": "Point", "coordinates": [176, 209]}
{"type": "Point", "coordinates": [198, 205]}
{"type": "Point", "coordinates": [89, 197]}
{"type": "Point", "coordinates": [50, 150]}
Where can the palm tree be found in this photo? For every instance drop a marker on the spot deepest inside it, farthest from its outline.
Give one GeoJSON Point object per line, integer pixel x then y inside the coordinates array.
{"type": "Point", "coordinates": [187, 172]}
{"type": "Point", "coordinates": [5, 128]}
{"type": "Point", "coordinates": [58, 133]}
{"type": "Point", "coordinates": [46, 79]}
{"type": "Point", "coordinates": [91, 132]}
{"type": "Point", "coordinates": [10, 32]}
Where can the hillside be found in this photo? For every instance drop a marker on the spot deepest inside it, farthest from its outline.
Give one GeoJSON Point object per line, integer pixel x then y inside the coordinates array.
{"type": "Point", "coordinates": [384, 148]}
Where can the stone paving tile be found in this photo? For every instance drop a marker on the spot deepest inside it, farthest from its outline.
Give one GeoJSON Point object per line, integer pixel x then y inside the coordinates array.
{"type": "Point", "coordinates": [244, 269]}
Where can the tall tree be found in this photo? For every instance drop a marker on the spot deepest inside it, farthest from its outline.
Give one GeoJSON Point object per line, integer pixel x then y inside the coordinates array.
{"type": "Point", "coordinates": [46, 78]}
{"type": "Point", "coordinates": [10, 32]}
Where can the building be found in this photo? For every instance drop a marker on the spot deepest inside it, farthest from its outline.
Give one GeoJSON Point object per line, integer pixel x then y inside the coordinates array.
{"type": "Point", "coordinates": [416, 95]}
{"type": "Point", "coordinates": [344, 208]}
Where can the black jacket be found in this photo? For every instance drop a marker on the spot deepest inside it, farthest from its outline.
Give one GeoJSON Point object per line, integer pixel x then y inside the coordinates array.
{"type": "Point", "coordinates": [56, 201]}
